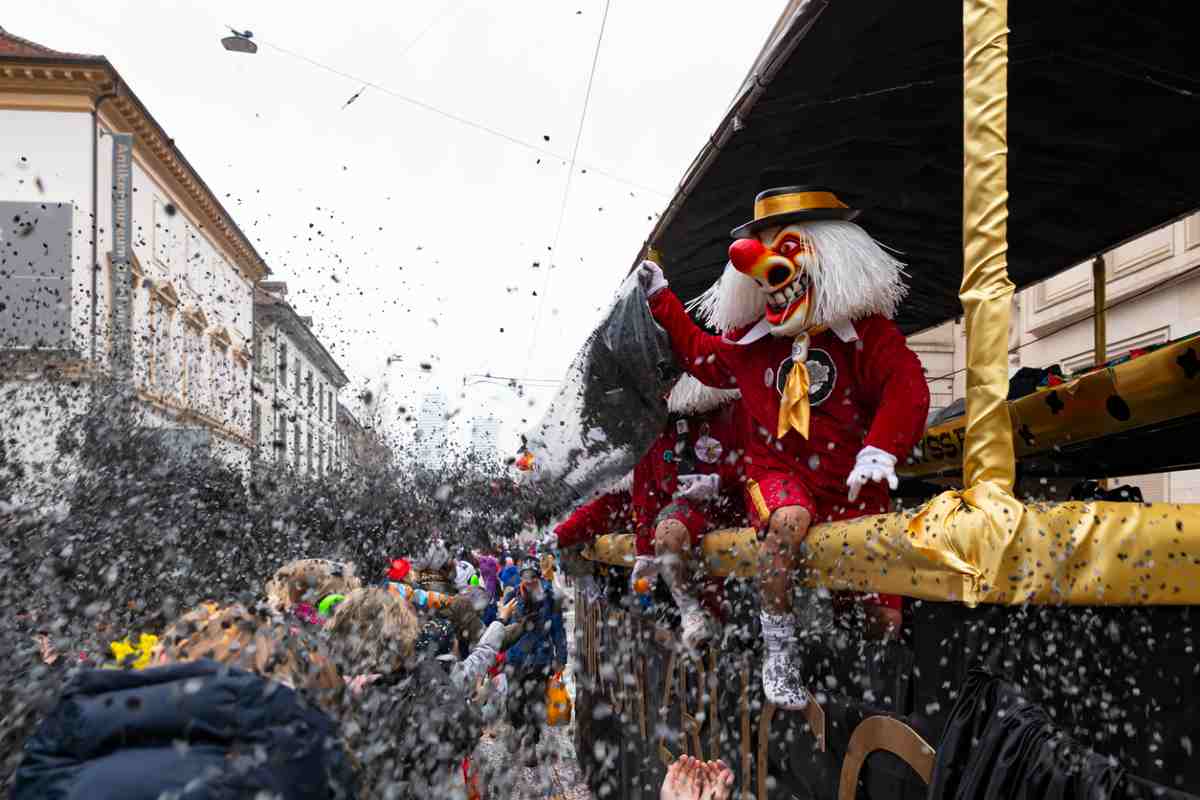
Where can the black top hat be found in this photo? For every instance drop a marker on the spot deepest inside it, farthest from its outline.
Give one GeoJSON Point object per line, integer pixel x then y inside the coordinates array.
{"type": "Point", "coordinates": [786, 198]}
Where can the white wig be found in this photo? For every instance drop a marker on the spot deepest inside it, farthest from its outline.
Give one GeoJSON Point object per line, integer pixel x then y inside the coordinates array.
{"type": "Point", "coordinates": [852, 276]}
{"type": "Point", "coordinates": [734, 301]}
{"type": "Point", "coordinates": [690, 396]}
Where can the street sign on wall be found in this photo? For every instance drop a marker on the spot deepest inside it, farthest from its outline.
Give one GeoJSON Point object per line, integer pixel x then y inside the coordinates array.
{"type": "Point", "coordinates": [122, 198]}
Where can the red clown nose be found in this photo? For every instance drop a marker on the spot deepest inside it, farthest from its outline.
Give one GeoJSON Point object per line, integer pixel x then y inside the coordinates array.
{"type": "Point", "coordinates": [745, 253]}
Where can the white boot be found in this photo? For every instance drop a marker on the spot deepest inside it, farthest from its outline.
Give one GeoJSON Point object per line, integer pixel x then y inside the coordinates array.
{"type": "Point", "coordinates": [697, 628]}
{"type": "Point", "coordinates": [781, 664]}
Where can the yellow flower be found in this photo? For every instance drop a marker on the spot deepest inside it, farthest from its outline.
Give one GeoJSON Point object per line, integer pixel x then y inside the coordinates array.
{"type": "Point", "coordinates": [146, 644]}
{"type": "Point", "coordinates": [121, 649]}
{"type": "Point", "coordinates": [144, 650]}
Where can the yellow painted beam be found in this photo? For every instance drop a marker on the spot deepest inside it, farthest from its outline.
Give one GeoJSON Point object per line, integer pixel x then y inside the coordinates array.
{"type": "Point", "coordinates": [1147, 390]}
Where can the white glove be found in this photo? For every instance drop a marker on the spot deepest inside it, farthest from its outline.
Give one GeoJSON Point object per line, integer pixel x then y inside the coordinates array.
{"type": "Point", "coordinates": [650, 276]}
{"type": "Point", "coordinates": [645, 567]}
{"type": "Point", "coordinates": [872, 464]}
{"type": "Point", "coordinates": [698, 487]}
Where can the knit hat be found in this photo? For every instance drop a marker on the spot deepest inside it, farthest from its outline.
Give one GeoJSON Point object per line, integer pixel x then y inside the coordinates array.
{"type": "Point", "coordinates": [399, 569]}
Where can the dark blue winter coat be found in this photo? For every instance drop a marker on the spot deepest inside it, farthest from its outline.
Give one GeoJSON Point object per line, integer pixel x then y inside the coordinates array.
{"type": "Point", "coordinates": [543, 639]}
{"type": "Point", "coordinates": [198, 729]}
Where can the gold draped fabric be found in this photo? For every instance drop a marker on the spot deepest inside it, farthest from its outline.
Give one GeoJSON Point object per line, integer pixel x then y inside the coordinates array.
{"type": "Point", "coordinates": [986, 290]}
{"type": "Point", "coordinates": [793, 406]}
{"type": "Point", "coordinates": [982, 545]}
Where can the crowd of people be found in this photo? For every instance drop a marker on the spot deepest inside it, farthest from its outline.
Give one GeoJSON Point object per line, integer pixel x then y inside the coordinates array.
{"type": "Point", "coordinates": [236, 699]}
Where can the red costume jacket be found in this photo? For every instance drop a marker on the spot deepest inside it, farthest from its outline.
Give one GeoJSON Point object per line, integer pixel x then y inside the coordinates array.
{"type": "Point", "coordinates": [704, 444]}
{"type": "Point", "coordinates": [605, 514]}
{"type": "Point", "coordinates": [866, 392]}
{"type": "Point", "coordinates": [708, 443]}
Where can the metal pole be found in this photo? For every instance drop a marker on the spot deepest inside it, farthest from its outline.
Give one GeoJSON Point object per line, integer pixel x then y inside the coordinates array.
{"type": "Point", "coordinates": [1099, 313]}
{"type": "Point", "coordinates": [1099, 320]}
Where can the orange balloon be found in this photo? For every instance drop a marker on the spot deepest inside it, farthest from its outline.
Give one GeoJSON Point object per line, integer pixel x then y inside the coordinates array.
{"type": "Point", "coordinates": [641, 586]}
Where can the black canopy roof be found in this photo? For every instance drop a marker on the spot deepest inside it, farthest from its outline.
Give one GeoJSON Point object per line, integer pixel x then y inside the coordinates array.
{"type": "Point", "coordinates": [1104, 118]}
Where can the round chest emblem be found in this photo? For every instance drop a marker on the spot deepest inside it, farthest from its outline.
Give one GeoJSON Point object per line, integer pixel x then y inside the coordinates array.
{"type": "Point", "coordinates": [709, 450]}
{"type": "Point", "coordinates": [822, 375]}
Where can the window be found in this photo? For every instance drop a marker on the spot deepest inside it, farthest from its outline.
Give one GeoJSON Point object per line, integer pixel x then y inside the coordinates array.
{"type": "Point", "coordinates": [308, 382]}
{"type": "Point", "coordinates": [166, 354]}
{"type": "Point", "coordinates": [296, 441]}
{"type": "Point", "coordinates": [296, 390]}
{"type": "Point", "coordinates": [218, 370]}
{"type": "Point", "coordinates": [197, 386]}
{"type": "Point", "coordinates": [308, 468]}
{"type": "Point", "coordinates": [283, 364]}
{"type": "Point", "coordinates": [332, 405]}
{"type": "Point", "coordinates": [321, 458]}
{"type": "Point", "coordinates": [281, 438]}
{"type": "Point", "coordinates": [321, 401]}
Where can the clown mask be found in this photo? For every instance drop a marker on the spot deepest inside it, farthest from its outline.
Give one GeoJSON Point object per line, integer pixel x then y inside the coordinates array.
{"type": "Point", "coordinates": [780, 261]}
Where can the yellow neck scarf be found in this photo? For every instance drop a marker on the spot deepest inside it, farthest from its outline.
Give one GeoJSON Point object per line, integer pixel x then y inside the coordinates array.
{"type": "Point", "coordinates": [793, 406]}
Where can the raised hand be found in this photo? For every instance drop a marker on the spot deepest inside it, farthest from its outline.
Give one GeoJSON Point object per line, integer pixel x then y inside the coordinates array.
{"type": "Point", "coordinates": [684, 781]}
{"type": "Point", "coordinates": [506, 610]}
{"type": "Point", "coordinates": [718, 781]}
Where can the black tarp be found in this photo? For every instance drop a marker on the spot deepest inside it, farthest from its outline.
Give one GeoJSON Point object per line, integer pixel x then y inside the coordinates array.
{"type": "Point", "coordinates": [1000, 746]}
{"type": "Point", "coordinates": [1103, 111]}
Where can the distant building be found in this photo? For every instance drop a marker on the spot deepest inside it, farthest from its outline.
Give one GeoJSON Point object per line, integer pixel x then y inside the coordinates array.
{"type": "Point", "coordinates": [121, 263]}
{"type": "Point", "coordinates": [296, 384]}
{"type": "Point", "coordinates": [357, 445]}
{"type": "Point", "coordinates": [485, 432]}
{"type": "Point", "coordinates": [432, 438]}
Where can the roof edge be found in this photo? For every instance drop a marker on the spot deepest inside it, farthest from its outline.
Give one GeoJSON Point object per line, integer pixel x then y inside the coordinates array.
{"type": "Point", "coordinates": [121, 90]}
{"type": "Point", "coordinates": [297, 326]}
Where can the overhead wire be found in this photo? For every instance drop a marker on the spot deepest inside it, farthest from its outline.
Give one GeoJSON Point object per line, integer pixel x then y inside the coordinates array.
{"type": "Point", "coordinates": [543, 151]}
{"type": "Point", "coordinates": [562, 210]}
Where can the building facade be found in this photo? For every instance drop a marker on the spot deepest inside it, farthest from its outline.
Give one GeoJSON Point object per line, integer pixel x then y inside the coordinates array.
{"type": "Point", "coordinates": [1153, 296]}
{"type": "Point", "coordinates": [294, 406]}
{"type": "Point", "coordinates": [485, 432]}
{"type": "Point", "coordinates": [432, 428]}
{"type": "Point", "coordinates": [359, 446]}
{"type": "Point", "coordinates": [119, 262]}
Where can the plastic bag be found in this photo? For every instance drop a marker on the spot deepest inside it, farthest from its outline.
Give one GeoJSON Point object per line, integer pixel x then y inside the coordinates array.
{"type": "Point", "coordinates": [609, 408]}
{"type": "Point", "coordinates": [558, 701]}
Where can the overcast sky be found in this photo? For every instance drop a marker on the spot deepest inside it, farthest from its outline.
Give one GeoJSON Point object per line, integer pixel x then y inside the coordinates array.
{"type": "Point", "coordinates": [403, 232]}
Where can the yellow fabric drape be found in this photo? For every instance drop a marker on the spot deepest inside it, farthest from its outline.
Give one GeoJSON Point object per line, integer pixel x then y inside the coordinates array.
{"type": "Point", "coordinates": [793, 406]}
{"type": "Point", "coordinates": [986, 291]}
{"type": "Point", "coordinates": [982, 545]}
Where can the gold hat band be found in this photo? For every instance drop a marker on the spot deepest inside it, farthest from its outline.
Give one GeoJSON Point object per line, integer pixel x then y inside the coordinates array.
{"type": "Point", "coordinates": [797, 201]}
